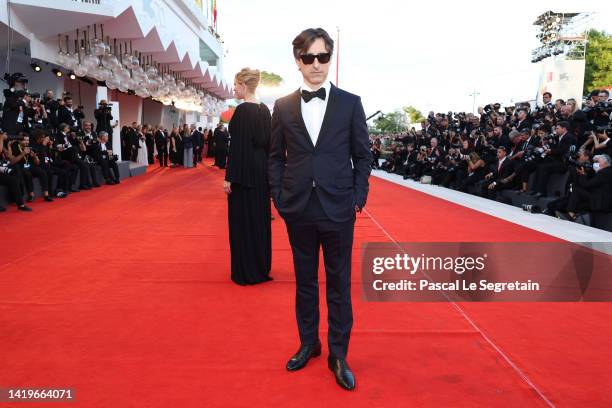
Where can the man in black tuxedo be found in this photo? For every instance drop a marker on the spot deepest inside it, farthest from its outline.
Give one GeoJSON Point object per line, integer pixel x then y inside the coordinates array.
{"type": "Point", "coordinates": [319, 166]}
{"type": "Point", "coordinates": [161, 144]}
{"type": "Point", "coordinates": [554, 160]}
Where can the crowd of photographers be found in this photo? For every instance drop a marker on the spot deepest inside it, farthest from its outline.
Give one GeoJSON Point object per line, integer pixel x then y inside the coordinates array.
{"type": "Point", "coordinates": [42, 136]}
{"type": "Point", "coordinates": [500, 149]}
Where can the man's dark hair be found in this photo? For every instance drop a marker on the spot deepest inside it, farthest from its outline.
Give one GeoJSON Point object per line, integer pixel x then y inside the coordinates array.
{"type": "Point", "coordinates": [605, 91]}
{"type": "Point", "coordinates": [547, 93]}
{"type": "Point", "coordinates": [564, 124]}
{"type": "Point", "coordinates": [304, 40]}
{"type": "Point", "coordinates": [67, 98]}
{"type": "Point", "coordinates": [560, 100]}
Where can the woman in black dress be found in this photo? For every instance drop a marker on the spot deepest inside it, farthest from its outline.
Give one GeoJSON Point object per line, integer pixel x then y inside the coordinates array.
{"type": "Point", "coordinates": [246, 184]}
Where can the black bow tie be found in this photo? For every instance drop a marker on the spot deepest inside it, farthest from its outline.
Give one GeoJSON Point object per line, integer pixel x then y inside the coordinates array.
{"type": "Point", "coordinates": [307, 95]}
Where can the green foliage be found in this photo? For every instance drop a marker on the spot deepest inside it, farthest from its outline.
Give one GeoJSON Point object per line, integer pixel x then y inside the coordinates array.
{"type": "Point", "coordinates": [414, 115]}
{"type": "Point", "coordinates": [598, 69]}
{"type": "Point", "coordinates": [390, 122]}
{"type": "Point", "coordinates": [270, 79]}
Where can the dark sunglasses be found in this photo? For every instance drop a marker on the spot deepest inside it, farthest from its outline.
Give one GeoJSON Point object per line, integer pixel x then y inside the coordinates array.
{"type": "Point", "coordinates": [309, 58]}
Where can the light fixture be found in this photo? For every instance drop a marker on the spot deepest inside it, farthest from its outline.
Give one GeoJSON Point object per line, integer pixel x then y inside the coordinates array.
{"type": "Point", "coordinates": [57, 72]}
{"type": "Point", "coordinates": [35, 67]}
{"type": "Point", "coordinates": [72, 75]}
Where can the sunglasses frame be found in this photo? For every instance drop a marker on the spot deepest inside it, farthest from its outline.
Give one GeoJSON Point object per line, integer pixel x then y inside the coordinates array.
{"type": "Point", "coordinates": [319, 58]}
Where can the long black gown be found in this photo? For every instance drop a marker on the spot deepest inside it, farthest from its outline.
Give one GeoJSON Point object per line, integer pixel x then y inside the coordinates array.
{"type": "Point", "coordinates": [249, 209]}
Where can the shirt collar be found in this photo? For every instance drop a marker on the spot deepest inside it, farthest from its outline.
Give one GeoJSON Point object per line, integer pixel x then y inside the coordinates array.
{"type": "Point", "coordinates": [326, 85]}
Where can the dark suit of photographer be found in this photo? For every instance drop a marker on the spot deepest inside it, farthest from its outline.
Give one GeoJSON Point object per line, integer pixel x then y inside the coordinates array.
{"type": "Point", "coordinates": [14, 119]}
{"type": "Point", "coordinates": [554, 162]}
{"type": "Point", "coordinates": [595, 193]}
{"type": "Point", "coordinates": [70, 116]}
{"type": "Point", "coordinates": [70, 149]}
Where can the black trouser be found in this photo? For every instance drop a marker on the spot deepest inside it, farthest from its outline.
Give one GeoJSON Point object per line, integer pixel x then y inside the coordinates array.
{"type": "Point", "coordinates": [62, 178]}
{"type": "Point", "coordinates": [493, 193]}
{"type": "Point", "coordinates": [220, 157]}
{"type": "Point", "coordinates": [107, 166]}
{"type": "Point", "coordinates": [306, 235]}
{"type": "Point", "coordinates": [162, 156]}
{"type": "Point", "coordinates": [525, 169]}
{"type": "Point", "coordinates": [544, 171]}
{"type": "Point", "coordinates": [150, 153]}
{"type": "Point", "coordinates": [12, 183]}
{"type": "Point", "coordinates": [35, 172]}
{"type": "Point", "coordinates": [579, 200]}
{"type": "Point", "coordinates": [470, 180]}
{"type": "Point", "coordinates": [71, 169]}
{"type": "Point", "coordinates": [197, 154]}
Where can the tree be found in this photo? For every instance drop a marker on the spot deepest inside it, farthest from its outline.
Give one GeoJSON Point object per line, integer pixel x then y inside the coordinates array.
{"type": "Point", "coordinates": [270, 79]}
{"type": "Point", "coordinates": [598, 61]}
{"type": "Point", "coordinates": [414, 115]}
{"type": "Point", "coordinates": [393, 122]}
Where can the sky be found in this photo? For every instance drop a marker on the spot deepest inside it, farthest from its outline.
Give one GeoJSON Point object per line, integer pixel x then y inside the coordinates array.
{"type": "Point", "coordinates": [430, 54]}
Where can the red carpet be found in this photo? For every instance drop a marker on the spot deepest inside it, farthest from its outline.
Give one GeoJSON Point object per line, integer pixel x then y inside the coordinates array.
{"type": "Point", "coordinates": [123, 293]}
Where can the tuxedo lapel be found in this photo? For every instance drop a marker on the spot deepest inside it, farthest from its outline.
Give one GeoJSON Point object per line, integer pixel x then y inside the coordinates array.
{"type": "Point", "coordinates": [296, 107]}
{"type": "Point", "coordinates": [329, 112]}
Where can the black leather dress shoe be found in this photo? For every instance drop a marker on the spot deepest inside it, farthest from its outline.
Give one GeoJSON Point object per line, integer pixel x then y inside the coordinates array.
{"type": "Point", "coordinates": [305, 353]}
{"type": "Point", "coordinates": [342, 372]}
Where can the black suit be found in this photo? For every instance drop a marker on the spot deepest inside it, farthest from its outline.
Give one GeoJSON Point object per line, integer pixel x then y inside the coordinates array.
{"type": "Point", "coordinates": [504, 177]}
{"type": "Point", "coordinates": [594, 194]}
{"type": "Point", "coordinates": [554, 163]}
{"type": "Point", "coordinates": [71, 118]}
{"type": "Point", "coordinates": [315, 189]}
{"type": "Point", "coordinates": [161, 144]}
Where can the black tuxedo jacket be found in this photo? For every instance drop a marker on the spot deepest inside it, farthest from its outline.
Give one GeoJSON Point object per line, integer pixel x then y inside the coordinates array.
{"type": "Point", "coordinates": [600, 188]}
{"type": "Point", "coordinates": [338, 166]}
{"type": "Point", "coordinates": [507, 168]}
{"type": "Point", "coordinates": [563, 146]}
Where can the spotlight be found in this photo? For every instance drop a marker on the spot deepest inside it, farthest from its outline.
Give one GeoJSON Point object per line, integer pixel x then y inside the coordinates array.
{"type": "Point", "coordinates": [35, 67]}
{"type": "Point", "coordinates": [72, 76]}
{"type": "Point", "coordinates": [57, 72]}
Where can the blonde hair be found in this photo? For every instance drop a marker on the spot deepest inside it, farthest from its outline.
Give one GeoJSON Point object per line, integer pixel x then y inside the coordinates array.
{"type": "Point", "coordinates": [249, 77]}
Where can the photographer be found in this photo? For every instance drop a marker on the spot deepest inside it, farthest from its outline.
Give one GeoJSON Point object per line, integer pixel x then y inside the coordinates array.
{"type": "Point", "coordinates": [106, 159]}
{"type": "Point", "coordinates": [475, 172]}
{"type": "Point", "coordinates": [14, 119]}
{"type": "Point", "coordinates": [579, 166]}
{"type": "Point", "coordinates": [22, 156]}
{"type": "Point", "coordinates": [530, 154]}
{"type": "Point", "coordinates": [51, 107]}
{"type": "Point", "coordinates": [70, 149]}
{"type": "Point", "coordinates": [553, 158]}
{"type": "Point", "coordinates": [600, 142]}
{"type": "Point", "coordinates": [594, 194]}
{"type": "Point", "coordinates": [46, 162]}
{"type": "Point", "coordinates": [376, 150]}
{"type": "Point", "coordinates": [36, 113]}
{"type": "Point", "coordinates": [104, 117]}
{"type": "Point", "coordinates": [70, 116]}
{"type": "Point", "coordinates": [10, 175]}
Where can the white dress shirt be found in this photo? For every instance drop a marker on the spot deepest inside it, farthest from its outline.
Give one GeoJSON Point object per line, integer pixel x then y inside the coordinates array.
{"type": "Point", "coordinates": [314, 111]}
